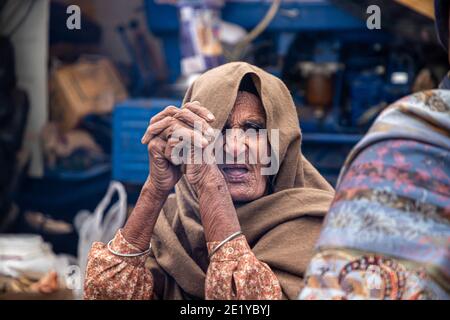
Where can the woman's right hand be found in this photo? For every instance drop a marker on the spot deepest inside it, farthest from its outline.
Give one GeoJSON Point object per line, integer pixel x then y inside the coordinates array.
{"type": "Point", "coordinates": [163, 174]}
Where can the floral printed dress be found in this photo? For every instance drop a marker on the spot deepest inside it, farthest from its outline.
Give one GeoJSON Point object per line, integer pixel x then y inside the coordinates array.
{"type": "Point", "coordinates": [234, 273]}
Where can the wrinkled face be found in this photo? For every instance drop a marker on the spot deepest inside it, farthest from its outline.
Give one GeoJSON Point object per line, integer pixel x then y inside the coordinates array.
{"type": "Point", "coordinates": [244, 179]}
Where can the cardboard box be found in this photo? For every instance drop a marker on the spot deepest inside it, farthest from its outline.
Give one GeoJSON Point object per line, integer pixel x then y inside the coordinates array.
{"type": "Point", "coordinates": [83, 88]}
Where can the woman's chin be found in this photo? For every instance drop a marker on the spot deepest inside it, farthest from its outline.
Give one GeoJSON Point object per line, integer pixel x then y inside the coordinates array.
{"type": "Point", "coordinates": [242, 193]}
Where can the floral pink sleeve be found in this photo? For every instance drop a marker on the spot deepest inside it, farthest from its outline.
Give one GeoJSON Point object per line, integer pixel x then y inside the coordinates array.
{"type": "Point", "coordinates": [117, 278]}
{"type": "Point", "coordinates": [235, 273]}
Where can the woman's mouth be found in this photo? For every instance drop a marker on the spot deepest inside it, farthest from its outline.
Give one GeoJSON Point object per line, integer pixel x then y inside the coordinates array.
{"type": "Point", "coordinates": [235, 172]}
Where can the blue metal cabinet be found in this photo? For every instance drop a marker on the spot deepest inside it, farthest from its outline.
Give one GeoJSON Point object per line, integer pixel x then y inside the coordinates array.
{"type": "Point", "coordinates": [293, 16]}
{"type": "Point", "coordinates": [130, 120]}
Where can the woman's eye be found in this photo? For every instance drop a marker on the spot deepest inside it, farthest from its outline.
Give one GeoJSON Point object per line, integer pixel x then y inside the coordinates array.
{"type": "Point", "coordinates": [254, 126]}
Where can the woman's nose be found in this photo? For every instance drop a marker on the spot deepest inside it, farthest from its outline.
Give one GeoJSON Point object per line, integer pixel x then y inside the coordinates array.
{"type": "Point", "coordinates": [235, 142]}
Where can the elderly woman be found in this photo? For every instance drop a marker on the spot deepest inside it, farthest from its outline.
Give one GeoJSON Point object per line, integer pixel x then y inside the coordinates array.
{"type": "Point", "coordinates": [229, 231]}
{"type": "Point", "coordinates": [387, 234]}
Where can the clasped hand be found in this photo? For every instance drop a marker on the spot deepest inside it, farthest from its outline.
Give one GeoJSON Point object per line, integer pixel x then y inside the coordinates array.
{"type": "Point", "coordinates": [192, 124]}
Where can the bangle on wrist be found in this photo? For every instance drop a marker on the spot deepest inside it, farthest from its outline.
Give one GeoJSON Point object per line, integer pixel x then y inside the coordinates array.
{"type": "Point", "coordinates": [128, 255]}
{"type": "Point", "coordinates": [227, 239]}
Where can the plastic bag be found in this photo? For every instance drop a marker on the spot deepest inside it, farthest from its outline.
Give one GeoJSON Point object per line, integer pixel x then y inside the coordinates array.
{"type": "Point", "coordinates": [100, 226]}
{"type": "Point", "coordinates": [27, 258]}
{"type": "Point", "coordinates": [25, 255]}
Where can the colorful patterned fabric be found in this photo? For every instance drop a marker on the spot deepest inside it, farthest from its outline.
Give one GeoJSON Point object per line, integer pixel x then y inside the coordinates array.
{"type": "Point", "coordinates": [387, 233]}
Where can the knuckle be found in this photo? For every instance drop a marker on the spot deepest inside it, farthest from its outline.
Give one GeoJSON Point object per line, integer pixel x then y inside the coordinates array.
{"type": "Point", "coordinates": [154, 146]}
{"type": "Point", "coordinates": [151, 145]}
{"type": "Point", "coordinates": [154, 119]}
{"type": "Point", "coordinates": [192, 106]}
{"type": "Point", "coordinates": [176, 126]}
{"type": "Point", "coordinates": [202, 108]}
{"type": "Point", "coordinates": [185, 112]}
{"type": "Point", "coordinates": [170, 143]}
{"type": "Point", "coordinates": [171, 109]}
{"type": "Point", "coordinates": [172, 120]}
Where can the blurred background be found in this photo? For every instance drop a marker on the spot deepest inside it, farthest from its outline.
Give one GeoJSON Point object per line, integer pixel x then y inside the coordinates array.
{"type": "Point", "coordinates": [78, 85]}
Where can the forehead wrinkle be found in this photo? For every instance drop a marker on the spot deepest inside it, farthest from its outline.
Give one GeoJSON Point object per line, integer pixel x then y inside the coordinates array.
{"type": "Point", "coordinates": [246, 107]}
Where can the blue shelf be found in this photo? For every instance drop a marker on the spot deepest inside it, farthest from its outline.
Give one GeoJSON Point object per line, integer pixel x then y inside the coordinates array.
{"type": "Point", "coordinates": [130, 120]}
{"type": "Point", "coordinates": [292, 16]}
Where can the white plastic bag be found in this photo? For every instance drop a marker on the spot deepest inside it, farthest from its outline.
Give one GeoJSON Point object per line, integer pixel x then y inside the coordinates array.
{"type": "Point", "coordinates": [25, 255]}
{"type": "Point", "coordinates": [100, 226]}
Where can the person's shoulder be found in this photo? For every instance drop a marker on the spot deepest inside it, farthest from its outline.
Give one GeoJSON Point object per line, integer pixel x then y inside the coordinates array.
{"type": "Point", "coordinates": [437, 100]}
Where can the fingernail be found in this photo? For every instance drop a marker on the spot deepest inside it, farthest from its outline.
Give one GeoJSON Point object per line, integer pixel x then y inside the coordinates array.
{"type": "Point", "coordinates": [210, 116]}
